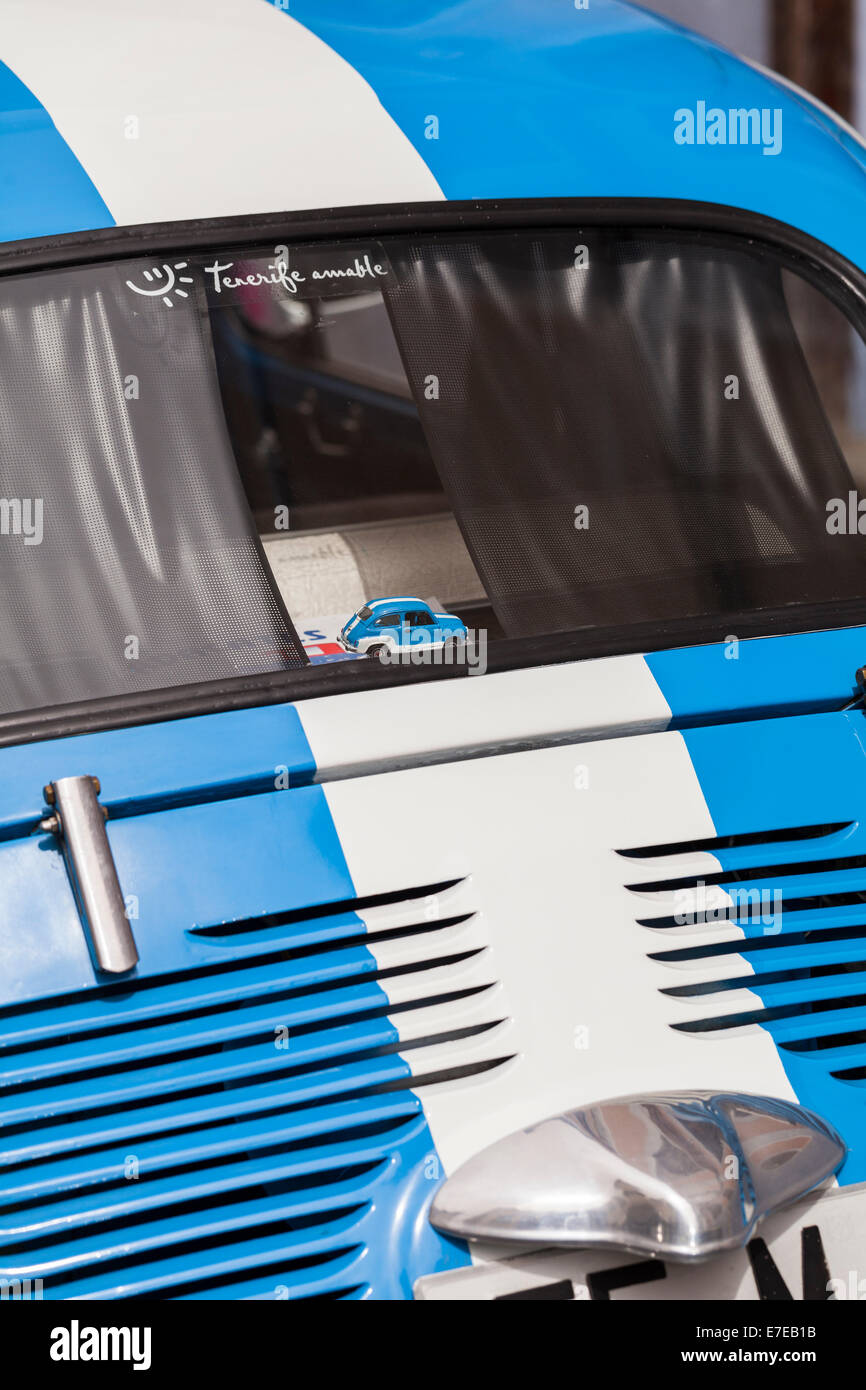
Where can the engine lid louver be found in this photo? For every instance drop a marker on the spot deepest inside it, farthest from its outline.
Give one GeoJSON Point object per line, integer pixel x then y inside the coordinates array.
{"type": "Point", "coordinates": [776, 929]}
{"type": "Point", "coordinates": [243, 1125]}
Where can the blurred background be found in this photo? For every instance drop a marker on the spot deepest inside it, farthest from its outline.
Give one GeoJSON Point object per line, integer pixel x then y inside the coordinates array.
{"type": "Point", "coordinates": [819, 44]}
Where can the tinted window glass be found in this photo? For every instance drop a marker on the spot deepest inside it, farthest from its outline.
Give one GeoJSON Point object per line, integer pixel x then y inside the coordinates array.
{"type": "Point", "coordinates": [210, 464]}
{"type": "Point", "coordinates": [624, 427]}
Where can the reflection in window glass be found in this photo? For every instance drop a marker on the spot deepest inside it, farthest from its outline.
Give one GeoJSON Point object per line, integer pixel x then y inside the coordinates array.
{"type": "Point", "coordinates": [224, 464]}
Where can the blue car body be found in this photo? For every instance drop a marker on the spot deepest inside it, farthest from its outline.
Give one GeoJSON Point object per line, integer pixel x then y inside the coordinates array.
{"type": "Point", "coordinates": [454, 945]}
{"type": "Point", "coordinates": [400, 624]}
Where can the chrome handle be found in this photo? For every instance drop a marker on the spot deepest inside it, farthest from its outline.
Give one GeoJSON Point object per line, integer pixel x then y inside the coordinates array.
{"type": "Point", "coordinates": [679, 1174]}
{"type": "Point", "coordinates": [78, 820]}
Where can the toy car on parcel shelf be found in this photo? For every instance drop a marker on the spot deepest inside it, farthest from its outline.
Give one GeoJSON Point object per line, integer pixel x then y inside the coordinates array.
{"type": "Point", "coordinates": [400, 624]}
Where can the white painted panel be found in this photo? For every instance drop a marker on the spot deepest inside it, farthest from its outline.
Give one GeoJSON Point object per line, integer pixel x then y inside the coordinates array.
{"type": "Point", "coordinates": [581, 699]}
{"type": "Point", "coordinates": [239, 108]}
{"type": "Point", "coordinates": [581, 1003]}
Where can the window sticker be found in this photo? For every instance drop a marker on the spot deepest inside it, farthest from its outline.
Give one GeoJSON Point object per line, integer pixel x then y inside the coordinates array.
{"type": "Point", "coordinates": [319, 272]}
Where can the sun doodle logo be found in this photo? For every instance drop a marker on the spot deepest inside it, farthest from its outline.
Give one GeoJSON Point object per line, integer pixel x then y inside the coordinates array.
{"type": "Point", "coordinates": [163, 282]}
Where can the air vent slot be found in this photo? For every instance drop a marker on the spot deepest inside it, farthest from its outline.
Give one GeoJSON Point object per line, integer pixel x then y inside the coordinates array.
{"type": "Point", "coordinates": [806, 1008]}
{"type": "Point", "coordinates": [747, 875]}
{"type": "Point", "coordinates": [397, 898]}
{"type": "Point", "coordinates": [769, 977]}
{"type": "Point", "coordinates": [752, 837]}
{"type": "Point", "coordinates": [742, 946]}
{"type": "Point", "coordinates": [818, 906]}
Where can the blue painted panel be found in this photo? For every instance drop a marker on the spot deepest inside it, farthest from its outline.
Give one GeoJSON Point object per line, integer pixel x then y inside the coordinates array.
{"type": "Point", "coordinates": [43, 188]}
{"type": "Point", "coordinates": [535, 98]}
{"type": "Point", "coordinates": [773, 773]}
{"type": "Point", "coordinates": [766, 776]}
{"type": "Point", "coordinates": [768, 674]}
{"type": "Point", "coordinates": [190, 867]}
{"type": "Point", "coordinates": [223, 754]}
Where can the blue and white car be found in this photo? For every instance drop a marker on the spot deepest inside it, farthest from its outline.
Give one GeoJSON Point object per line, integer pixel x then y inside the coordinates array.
{"type": "Point", "coordinates": [304, 303]}
{"type": "Point", "coordinates": [400, 624]}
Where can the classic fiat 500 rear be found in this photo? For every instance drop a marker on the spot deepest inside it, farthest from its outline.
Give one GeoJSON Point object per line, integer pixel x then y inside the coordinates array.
{"type": "Point", "coordinates": [531, 965]}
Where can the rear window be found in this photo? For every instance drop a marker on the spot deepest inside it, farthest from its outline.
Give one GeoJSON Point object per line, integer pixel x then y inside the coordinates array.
{"type": "Point", "coordinates": [210, 463]}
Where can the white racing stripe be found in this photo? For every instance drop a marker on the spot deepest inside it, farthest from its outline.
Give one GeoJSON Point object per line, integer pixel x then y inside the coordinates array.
{"type": "Point", "coordinates": [577, 700]}
{"type": "Point", "coordinates": [239, 108]}
{"type": "Point", "coordinates": [535, 835]}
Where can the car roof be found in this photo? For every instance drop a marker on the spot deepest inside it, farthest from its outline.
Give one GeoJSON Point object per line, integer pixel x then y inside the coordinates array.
{"type": "Point", "coordinates": [397, 602]}
{"type": "Point", "coordinates": [116, 112]}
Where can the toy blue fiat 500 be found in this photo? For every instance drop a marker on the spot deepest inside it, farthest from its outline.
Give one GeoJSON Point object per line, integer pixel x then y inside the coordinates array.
{"type": "Point", "coordinates": [391, 625]}
{"type": "Point", "coordinates": [332, 979]}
